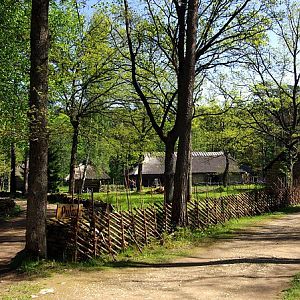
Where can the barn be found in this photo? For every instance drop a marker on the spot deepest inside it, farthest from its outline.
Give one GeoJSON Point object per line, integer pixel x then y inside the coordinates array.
{"type": "Point", "coordinates": [94, 178]}
{"type": "Point", "coordinates": [207, 168]}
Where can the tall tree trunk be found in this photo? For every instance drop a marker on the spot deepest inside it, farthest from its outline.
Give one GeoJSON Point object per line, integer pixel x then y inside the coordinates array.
{"type": "Point", "coordinates": [169, 143]}
{"type": "Point", "coordinates": [13, 182]}
{"type": "Point", "coordinates": [36, 245]}
{"type": "Point", "coordinates": [170, 161]}
{"type": "Point", "coordinates": [26, 172]}
{"type": "Point", "coordinates": [186, 80]}
{"type": "Point", "coordinates": [225, 176]}
{"type": "Point", "coordinates": [291, 158]}
{"type": "Point", "coordinates": [139, 181]}
{"type": "Point", "coordinates": [84, 172]}
{"type": "Point", "coordinates": [73, 160]}
{"type": "Point", "coordinates": [181, 181]}
{"type": "Point", "coordinates": [190, 182]}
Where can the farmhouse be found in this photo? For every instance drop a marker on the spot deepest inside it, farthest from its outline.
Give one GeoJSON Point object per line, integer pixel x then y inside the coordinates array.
{"type": "Point", "coordinates": [93, 179]}
{"type": "Point", "coordinates": [207, 168]}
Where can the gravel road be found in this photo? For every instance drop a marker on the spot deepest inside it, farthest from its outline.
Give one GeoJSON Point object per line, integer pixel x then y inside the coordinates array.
{"type": "Point", "coordinates": [258, 263]}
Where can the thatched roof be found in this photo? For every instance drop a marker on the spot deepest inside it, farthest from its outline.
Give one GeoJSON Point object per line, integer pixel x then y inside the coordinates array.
{"type": "Point", "coordinates": [202, 162]}
{"type": "Point", "coordinates": [91, 173]}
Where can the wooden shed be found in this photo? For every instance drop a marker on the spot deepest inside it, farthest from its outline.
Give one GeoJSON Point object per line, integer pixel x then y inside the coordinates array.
{"type": "Point", "coordinates": [94, 178]}
{"type": "Point", "coordinates": [207, 168]}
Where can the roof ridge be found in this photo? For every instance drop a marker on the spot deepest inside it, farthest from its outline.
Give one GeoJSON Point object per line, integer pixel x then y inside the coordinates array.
{"type": "Point", "coordinates": [194, 153]}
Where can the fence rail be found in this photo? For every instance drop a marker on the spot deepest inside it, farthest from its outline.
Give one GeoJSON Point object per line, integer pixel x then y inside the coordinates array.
{"type": "Point", "coordinates": [104, 232]}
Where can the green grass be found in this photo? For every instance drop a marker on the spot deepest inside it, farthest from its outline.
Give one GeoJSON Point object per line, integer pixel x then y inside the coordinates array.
{"type": "Point", "coordinates": [21, 291]}
{"type": "Point", "coordinates": [178, 244]}
{"type": "Point", "coordinates": [182, 243]}
{"type": "Point", "coordinates": [293, 293]}
{"type": "Point", "coordinates": [123, 200]}
{"type": "Point", "coordinates": [201, 192]}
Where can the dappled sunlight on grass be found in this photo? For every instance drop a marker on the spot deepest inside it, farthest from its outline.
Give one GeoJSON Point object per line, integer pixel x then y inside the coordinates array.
{"type": "Point", "coordinates": [124, 200]}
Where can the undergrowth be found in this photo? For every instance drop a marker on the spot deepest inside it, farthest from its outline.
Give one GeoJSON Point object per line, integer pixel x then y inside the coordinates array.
{"type": "Point", "coordinates": [13, 212]}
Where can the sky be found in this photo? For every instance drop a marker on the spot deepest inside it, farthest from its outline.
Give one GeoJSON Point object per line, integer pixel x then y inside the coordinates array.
{"type": "Point", "coordinates": [90, 7]}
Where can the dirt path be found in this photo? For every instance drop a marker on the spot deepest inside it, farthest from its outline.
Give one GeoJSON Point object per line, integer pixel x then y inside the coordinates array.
{"type": "Point", "coordinates": [257, 264]}
{"type": "Point", "coordinates": [12, 235]}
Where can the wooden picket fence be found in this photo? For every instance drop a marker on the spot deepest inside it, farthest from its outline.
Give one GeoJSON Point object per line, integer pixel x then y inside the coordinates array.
{"type": "Point", "coordinates": [102, 232]}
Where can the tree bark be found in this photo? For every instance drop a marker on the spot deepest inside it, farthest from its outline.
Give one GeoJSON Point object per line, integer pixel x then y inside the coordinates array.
{"type": "Point", "coordinates": [84, 172]}
{"type": "Point", "coordinates": [73, 160]}
{"type": "Point", "coordinates": [186, 78]}
{"type": "Point", "coordinates": [26, 172]}
{"type": "Point", "coordinates": [170, 161]}
{"type": "Point", "coordinates": [190, 182]}
{"type": "Point", "coordinates": [181, 181]}
{"type": "Point", "coordinates": [13, 183]}
{"type": "Point", "coordinates": [225, 176]}
{"type": "Point", "coordinates": [291, 158]}
{"type": "Point", "coordinates": [36, 245]}
{"type": "Point", "coordinates": [139, 181]}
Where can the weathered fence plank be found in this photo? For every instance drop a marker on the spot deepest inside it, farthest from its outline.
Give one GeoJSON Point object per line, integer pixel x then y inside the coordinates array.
{"type": "Point", "coordinates": [104, 232]}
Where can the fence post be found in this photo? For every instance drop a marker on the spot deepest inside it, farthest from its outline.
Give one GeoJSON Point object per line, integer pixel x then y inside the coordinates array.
{"type": "Point", "coordinates": [77, 230]}
{"type": "Point", "coordinates": [155, 219]}
{"type": "Point", "coordinates": [134, 237]}
{"type": "Point", "coordinates": [216, 211]}
{"type": "Point", "coordinates": [223, 210]}
{"type": "Point", "coordinates": [207, 211]}
{"type": "Point", "coordinates": [108, 234]}
{"type": "Point", "coordinates": [145, 227]}
{"type": "Point", "coordinates": [197, 214]}
{"type": "Point", "coordinates": [165, 217]}
{"type": "Point", "coordinates": [93, 223]}
{"type": "Point", "coordinates": [237, 206]}
{"type": "Point", "coordinates": [133, 225]}
{"type": "Point", "coordinates": [122, 230]}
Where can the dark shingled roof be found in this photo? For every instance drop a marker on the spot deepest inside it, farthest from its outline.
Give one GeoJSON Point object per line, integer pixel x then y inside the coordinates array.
{"type": "Point", "coordinates": [91, 173]}
{"type": "Point", "coordinates": [202, 162]}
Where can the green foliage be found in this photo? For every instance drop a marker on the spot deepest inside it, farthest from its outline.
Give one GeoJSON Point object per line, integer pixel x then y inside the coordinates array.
{"type": "Point", "coordinates": [130, 137]}
{"type": "Point", "coordinates": [272, 83]}
{"type": "Point", "coordinates": [13, 212]}
{"type": "Point", "coordinates": [222, 128]}
{"type": "Point", "coordinates": [82, 81]}
{"type": "Point", "coordinates": [14, 71]}
{"type": "Point", "coordinates": [60, 141]}
{"type": "Point", "coordinates": [293, 293]}
{"type": "Point", "coordinates": [54, 168]}
{"type": "Point", "coordinates": [4, 166]}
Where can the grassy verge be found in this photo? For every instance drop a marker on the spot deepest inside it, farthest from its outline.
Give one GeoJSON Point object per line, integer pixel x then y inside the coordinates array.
{"type": "Point", "coordinates": [293, 293]}
{"type": "Point", "coordinates": [181, 243]}
{"type": "Point", "coordinates": [122, 199]}
{"type": "Point", "coordinates": [21, 291]}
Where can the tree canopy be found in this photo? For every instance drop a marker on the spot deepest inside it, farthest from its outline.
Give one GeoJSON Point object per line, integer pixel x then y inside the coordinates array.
{"type": "Point", "coordinates": [169, 76]}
